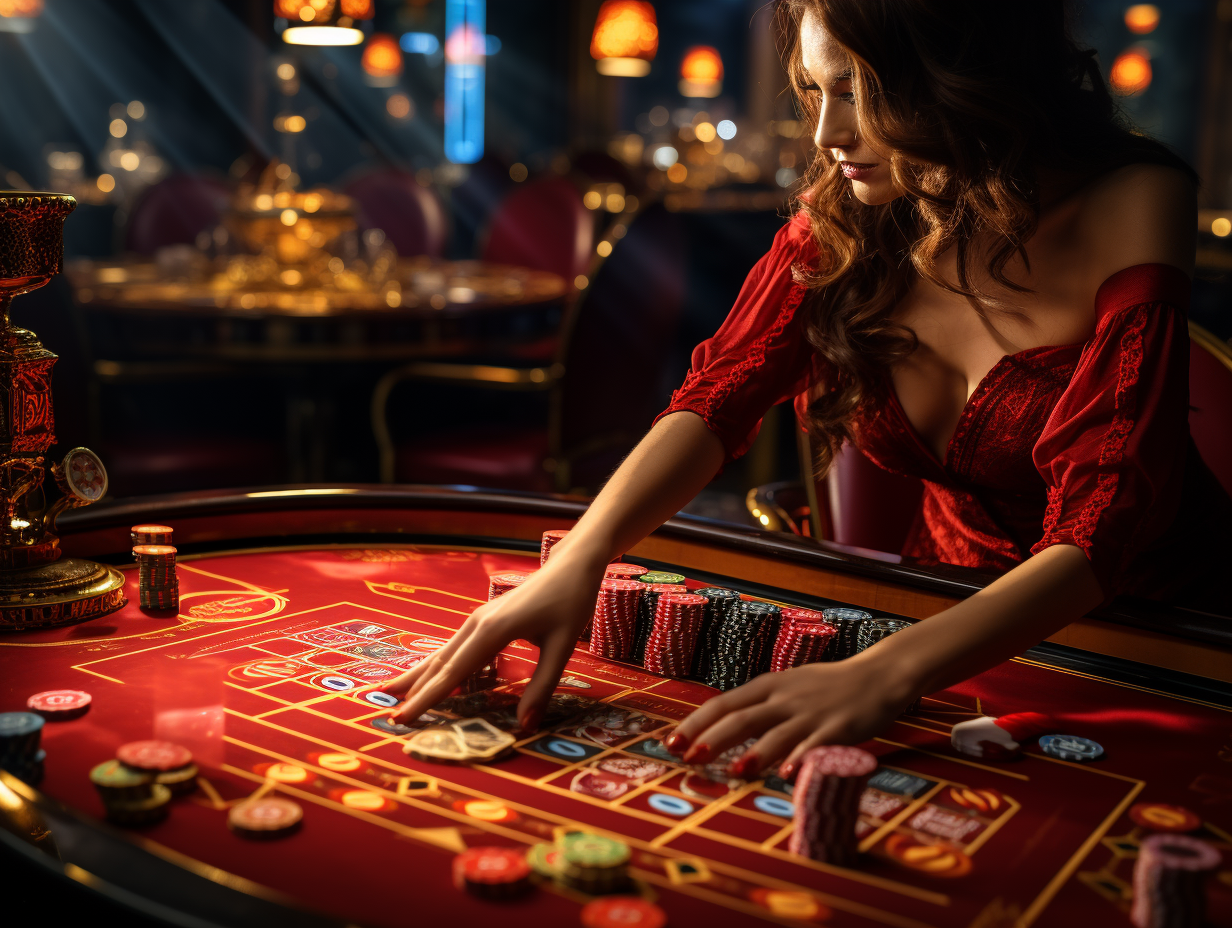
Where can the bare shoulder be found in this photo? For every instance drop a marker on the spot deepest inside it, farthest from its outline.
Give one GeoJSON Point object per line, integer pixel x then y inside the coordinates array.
{"type": "Point", "coordinates": [1139, 214]}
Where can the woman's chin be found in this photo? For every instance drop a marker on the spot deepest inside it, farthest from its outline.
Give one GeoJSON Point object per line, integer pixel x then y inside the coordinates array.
{"type": "Point", "coordinates": [875, 193]}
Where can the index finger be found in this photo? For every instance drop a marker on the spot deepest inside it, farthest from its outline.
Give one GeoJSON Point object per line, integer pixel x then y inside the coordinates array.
{"type": "Point", "coordinates": [709, 712]}
{"type": "Point", "coordinates": [449, 672]}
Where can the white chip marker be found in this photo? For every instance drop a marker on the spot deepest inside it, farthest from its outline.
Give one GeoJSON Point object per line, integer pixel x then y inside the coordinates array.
{"type": "Point", "coordinates": [966, 736]}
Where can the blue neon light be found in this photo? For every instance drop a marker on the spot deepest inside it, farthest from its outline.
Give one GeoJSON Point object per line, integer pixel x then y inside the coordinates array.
{"type": "Point", "coordinates": [465, 50]}
{"type": "Point", "coordinates": [419, 43]}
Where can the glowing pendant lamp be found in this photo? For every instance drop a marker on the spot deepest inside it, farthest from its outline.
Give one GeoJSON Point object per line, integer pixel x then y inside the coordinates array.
{"type": "Point", "coordinates": [323, 22]}
{"type": "Point", "coordinates": [382, 60]}
{"type": "Point", "coordinates": [701, 72]}
{"type": "Point", "coordinates": [19, 15]}
{"type": "Point", "coordinates": [625, 39]}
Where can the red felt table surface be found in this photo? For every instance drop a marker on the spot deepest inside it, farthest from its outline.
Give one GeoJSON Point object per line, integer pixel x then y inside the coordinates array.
{"type": "Point", "coordinates": [239, 676]}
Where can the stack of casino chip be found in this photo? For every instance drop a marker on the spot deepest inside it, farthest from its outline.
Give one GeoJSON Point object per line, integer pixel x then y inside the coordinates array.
{"type": "Point", "coordinates": [848, 623]}
{"type": "Point", "coordinates": [594, 864]}
{"type": "Point", "coordinates": [646, 611]}
{"type": "Point", "coordinates": [719, 602]}
{"type": "Point", "coordinates": [673, 638]}
{"type": "Point", "coordinates": [619, 570]}
{"type": "Point", "coordinates": [20, 754]}
{"type": "Point", "coordinates": [138, 784]}
{"type": "Point", "coordinates": [502, 583]}
{"type": "Point", "coordinates": [495, 873]}
{"type": "Point", "coordinates": [804, 638]}
{"type": "Point", "coordinates": [745, 642]}
{"type": "Point", "coordinates": [150, 535]}
{"type": "Point", "coordinates": [550, 539]}
{"type": "Point", "coordinates": [1169, 881]}
{"type": "Point", "coordinates": [615, 619]}
{"type": "Point", "coordinates": [158, 586]}
{"type": "Point", "coordinates": [827, 801]}
{"type": "Point", "coordinates": [874, 630]}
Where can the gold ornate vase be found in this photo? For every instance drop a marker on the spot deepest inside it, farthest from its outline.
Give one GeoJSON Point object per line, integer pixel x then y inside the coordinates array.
{"type": "Point", "coordinates": [38, 588]}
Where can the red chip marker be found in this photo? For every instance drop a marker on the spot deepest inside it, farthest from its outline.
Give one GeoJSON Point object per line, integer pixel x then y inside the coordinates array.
{"type": "Point", "coordinates": [622, 912]}
{"type": "Point", "coordinates": [154, 755]}
{"type": "Point", "coordinates": [59, 705]}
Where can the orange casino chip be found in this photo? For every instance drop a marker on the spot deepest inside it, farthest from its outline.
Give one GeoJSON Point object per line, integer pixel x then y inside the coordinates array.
{"type": "Point", "coordinates": [1159, 816]}
{"type": "Point", "coordinates": [267, 817]}
{"type": "Point", "coordinates": [935, 859]}
{"type": "Point", "coordinates": [622, 912]}
{"type": "Point", "coordinates": [154, 755]}
{"type": "Point", "coordinates": [150, 534]}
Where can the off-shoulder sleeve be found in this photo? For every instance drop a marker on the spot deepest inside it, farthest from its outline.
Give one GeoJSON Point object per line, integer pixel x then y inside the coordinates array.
{"type": "Point", "coordinates": [759, 356]}
{"type": "Point", "coordinates": [1113, 450]}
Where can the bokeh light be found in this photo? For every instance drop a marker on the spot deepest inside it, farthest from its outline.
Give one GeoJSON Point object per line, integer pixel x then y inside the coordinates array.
{"type": "Point", "coordinates": [1142, 18]}
{"type": "Point", "coordinates": [1131, 72]}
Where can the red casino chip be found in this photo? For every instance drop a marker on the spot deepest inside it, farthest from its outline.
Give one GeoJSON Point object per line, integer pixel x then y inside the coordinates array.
{"type": "Point", "coordinates": [1159, 816]}
{"type": "Point", "coordinates": [623, 912]}
{"type": "Point", "coordinates": [154, 755]}
{"type": "Point", "coordinates": [59, 705]}
{"type": "Point", "coordinates": [492, 872]}
{"type": "Point", "coordinates": [623, 571]}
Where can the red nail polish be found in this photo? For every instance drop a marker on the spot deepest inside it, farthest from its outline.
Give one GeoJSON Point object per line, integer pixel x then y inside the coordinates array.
{"type": "Point", "coordinates": [531, 721]}
{"type": "Point", "coordinates": [746, 766]}
{"type": "Point", "coordinates": [677, 743]}
{"type": "Point", "coordinates": [786, 770]}
{"type": "Point", "coordinates": [698, 754]}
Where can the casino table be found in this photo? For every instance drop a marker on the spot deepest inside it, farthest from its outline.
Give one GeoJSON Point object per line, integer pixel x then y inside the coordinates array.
{"type": "Point", "coordinates": [295, 599]}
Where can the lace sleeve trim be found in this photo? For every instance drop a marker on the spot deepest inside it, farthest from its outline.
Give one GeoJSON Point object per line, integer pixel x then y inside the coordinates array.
{"type": "Point", "coordinates": [1112, 449]}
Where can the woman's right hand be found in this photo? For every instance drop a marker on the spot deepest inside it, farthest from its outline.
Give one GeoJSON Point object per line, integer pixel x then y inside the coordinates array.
{"type": "Point", "coordinates": [549, 610]}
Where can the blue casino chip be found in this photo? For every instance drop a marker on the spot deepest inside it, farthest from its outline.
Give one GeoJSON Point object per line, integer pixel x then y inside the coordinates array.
{"type": "Point", "coordinates": [19, 724]}
{"type": "Point", "coordinates": [1071, 747]}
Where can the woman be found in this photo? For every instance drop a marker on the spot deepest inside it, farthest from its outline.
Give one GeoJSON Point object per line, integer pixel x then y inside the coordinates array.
{"type": "Point", "coordinates": [986, 287]}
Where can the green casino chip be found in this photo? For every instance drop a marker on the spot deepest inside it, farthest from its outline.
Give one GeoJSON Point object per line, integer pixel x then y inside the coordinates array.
{"type": "Point", "coordinates": [659, 576]}
{"type": "Point", "coordinates": [545, 860]}
{"type": "Point", "coordinates": [586, 850]}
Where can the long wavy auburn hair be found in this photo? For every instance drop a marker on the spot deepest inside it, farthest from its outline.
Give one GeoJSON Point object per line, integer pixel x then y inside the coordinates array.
{"type": "Point", "coordinates": [970, 98]}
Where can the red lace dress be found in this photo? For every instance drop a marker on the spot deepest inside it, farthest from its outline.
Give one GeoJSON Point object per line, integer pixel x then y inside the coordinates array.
{"type": "Point", "coordinates": [1084, 444]}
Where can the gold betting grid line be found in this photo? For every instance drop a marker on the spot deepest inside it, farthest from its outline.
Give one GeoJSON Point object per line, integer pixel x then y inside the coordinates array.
{"type": "Point", "coordinates": [693, 823]}
{"type": "Point", "coordinates": [707, 810]}
{"type": "Point", "coordinates": [1035, 909]}
{"type": "Point", "coordinates": [656, 844]}
{"type": "Point", "coordinates": [837, 902]}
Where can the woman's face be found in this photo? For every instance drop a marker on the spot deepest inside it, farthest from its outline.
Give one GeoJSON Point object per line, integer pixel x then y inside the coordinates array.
{"type": "Point", "coordinates": [837, 130]}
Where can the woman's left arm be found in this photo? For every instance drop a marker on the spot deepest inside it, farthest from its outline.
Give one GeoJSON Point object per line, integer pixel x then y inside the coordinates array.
{"type": "Point", "coordinates": [850, 701]}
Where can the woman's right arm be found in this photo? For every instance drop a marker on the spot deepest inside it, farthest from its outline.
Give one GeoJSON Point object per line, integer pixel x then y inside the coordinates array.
{"type": "Point", "coordinates": [675, 460]}
{"type": "Point", "coordinates": [759, 357]}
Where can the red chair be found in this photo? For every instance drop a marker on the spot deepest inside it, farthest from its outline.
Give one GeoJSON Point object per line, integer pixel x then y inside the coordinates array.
{"type": "Point", "coordinates": [409, 214]}
{"type": "Point", "coordinates": [144, 464]}
{"type": "Point", "coordinates": [604, 387]}
{"type": "Point", "coordinates": [543, 224]}
{"type": "Point", "coordinates": [860, 504]}
{"type": "Point", "coordinates": [175, 211]}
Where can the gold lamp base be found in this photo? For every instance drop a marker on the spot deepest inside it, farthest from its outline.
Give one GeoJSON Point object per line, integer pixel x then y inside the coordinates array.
{"type": "Point", "coordinates": [60, 593]}
{"type": "Point", "coordinates": [38, 588]}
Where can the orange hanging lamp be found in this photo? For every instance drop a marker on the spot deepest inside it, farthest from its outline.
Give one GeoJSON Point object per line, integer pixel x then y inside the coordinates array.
{"type": "Point", "coordinates": [625, 39]}
{"type": "Point", "coordinates": [701, 72]}
{"type": "Point", "coordinates": [323, 22]}
{"type": "Point", "coordinates": [382, 60]}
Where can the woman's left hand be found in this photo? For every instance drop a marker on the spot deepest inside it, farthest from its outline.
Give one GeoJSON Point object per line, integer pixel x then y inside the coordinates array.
{"type": "Point", "coordinates": [840, 703]}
